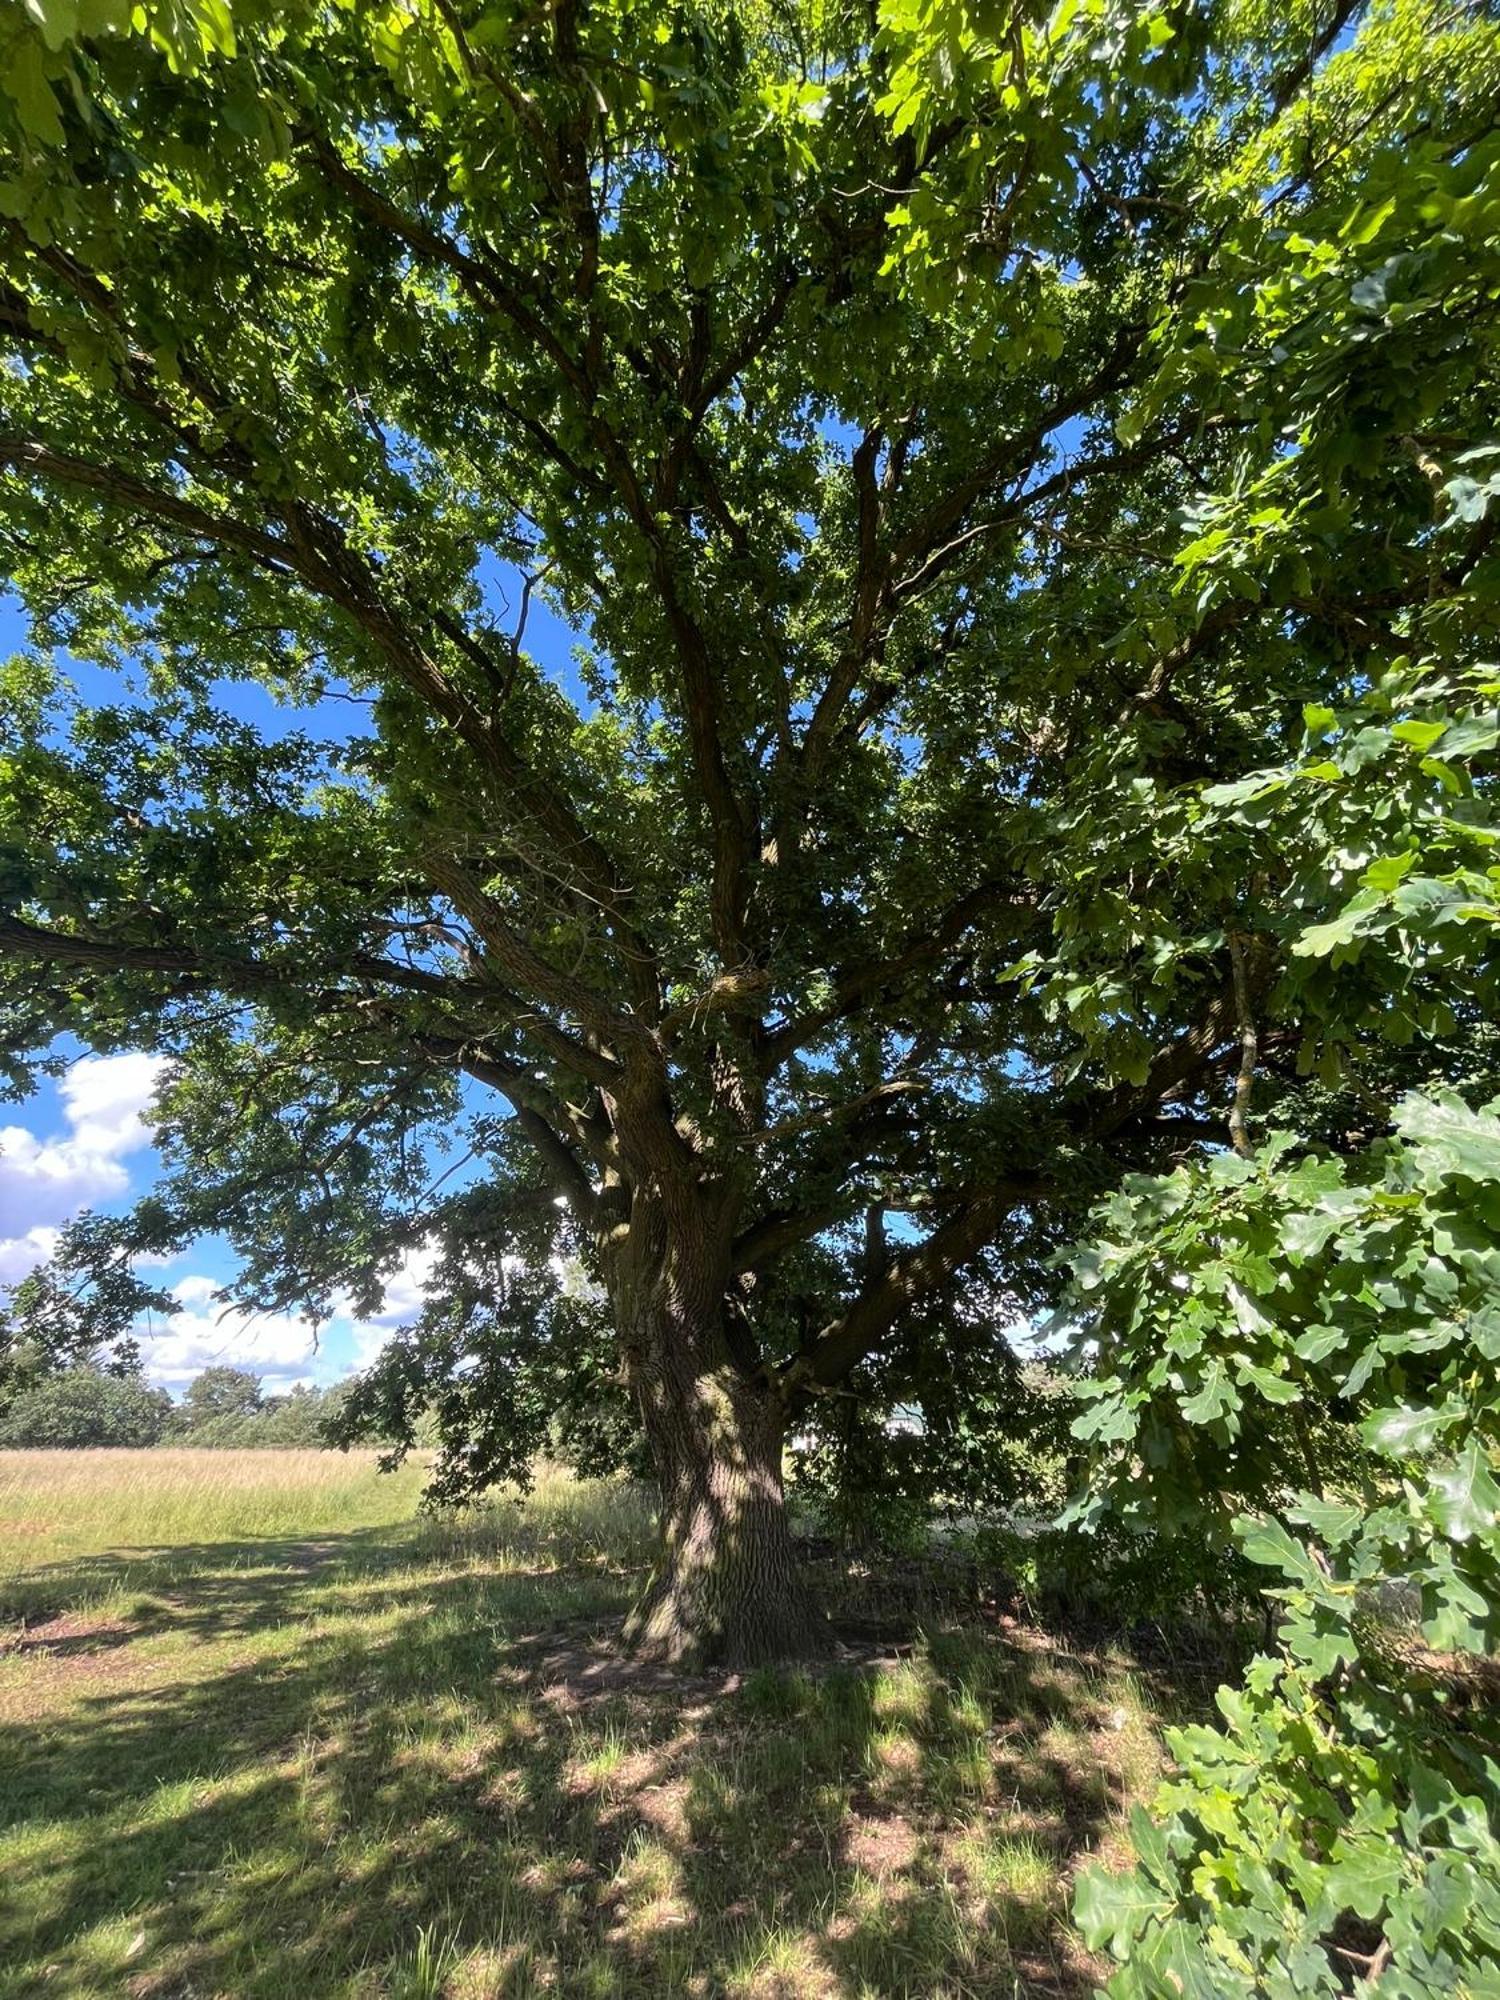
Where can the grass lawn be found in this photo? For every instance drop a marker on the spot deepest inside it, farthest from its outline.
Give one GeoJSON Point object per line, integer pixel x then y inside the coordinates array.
{"type": "Point", "coordinates": [264, 1731]}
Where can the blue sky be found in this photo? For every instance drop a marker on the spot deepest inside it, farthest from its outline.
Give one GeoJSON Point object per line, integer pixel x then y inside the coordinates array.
{"type": "Point", "coordinates": [84, 1140]}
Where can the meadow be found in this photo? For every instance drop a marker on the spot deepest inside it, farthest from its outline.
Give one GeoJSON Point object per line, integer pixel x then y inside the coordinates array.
{"type": "Point", "coordinates": [266, 1730]}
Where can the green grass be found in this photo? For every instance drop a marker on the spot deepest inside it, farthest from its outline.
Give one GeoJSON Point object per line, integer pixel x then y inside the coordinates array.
{"type": "Point", "coordinates": [264, 1732]}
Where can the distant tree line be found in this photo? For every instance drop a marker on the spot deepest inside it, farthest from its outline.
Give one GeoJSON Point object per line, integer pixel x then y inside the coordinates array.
{"type": "Point", "coordinates": [88, 1405]}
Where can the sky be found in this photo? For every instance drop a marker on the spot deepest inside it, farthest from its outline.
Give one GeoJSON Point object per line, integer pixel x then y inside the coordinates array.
{"type": "Point", "coordinates": [83, 1141]}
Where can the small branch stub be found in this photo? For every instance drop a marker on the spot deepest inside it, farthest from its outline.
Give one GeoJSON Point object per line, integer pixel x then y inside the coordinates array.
{"type": "Point", "coordinates": [1244, 1082]}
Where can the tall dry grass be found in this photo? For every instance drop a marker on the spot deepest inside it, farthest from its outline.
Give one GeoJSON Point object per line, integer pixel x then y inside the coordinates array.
{"type": "Point", "coordinates": [55, 1505]}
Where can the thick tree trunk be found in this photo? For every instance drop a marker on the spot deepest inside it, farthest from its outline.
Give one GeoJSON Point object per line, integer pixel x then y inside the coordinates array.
{"type": "Point", "coordinates": [726, 1588]}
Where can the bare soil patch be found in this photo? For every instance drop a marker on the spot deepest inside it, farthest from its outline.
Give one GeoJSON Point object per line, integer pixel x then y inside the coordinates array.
{"type": "Point", "coordinates": [66, 1635]}
{"type": "Point", "coordinates": [574, 1670]}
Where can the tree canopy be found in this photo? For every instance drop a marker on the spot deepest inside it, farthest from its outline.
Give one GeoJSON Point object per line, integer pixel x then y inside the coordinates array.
{"type": "Point", "coordinates": [217, 1393]}
{"type": "Point", "coordinates": [1021, 487]}
{"type": "Point", "coordinates": [1017, 828]}
{"type": "Point", "coordinates": [80, 1407]}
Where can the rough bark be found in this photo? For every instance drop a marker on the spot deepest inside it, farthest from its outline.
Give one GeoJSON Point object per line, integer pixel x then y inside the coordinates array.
{"type": "Point", "coordinates": [726, 1590]}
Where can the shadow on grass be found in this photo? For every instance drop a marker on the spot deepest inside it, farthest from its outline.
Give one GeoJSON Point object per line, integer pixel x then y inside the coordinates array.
{"type": "Point", "coordinates": [319, 1768]}
{"type": "Point", "coordinates": [217, 1587]}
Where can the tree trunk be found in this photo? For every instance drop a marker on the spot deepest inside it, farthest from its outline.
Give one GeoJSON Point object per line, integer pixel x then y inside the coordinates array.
{"type": "Point", "coordinates": [726, 1589]}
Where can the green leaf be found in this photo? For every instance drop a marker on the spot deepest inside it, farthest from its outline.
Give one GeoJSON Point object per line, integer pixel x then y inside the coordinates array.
{"type": "Point", "coordinates": [1275, 1388]}
{"type": "Point", "coordinates": [1112, 1910]}
{"type": "Point", "coordinates": [1385, 874]}
{"type": "Point", "coordinates": [1421, 735]}
{"type": "Point", "coordinates": [1319, 1342]}
{"type": "Point", "coordinates": [1264, 1540]}
{"type": "Point", "coordinates": [1408, 1432]}
{"type": "Point", "coordinates": [1319, 940]}
{"type": "Point", "coordinates": [1363, 1876]}
{"type": "Point", "coordinates": [1463, 1498]}
{"type": "Point", "coordinates": [1471, 736]}
{"type": "Point", "coordinates": [1452, 1138]}
{"type": "Point", "coordinates": [1332, 1521]}
{"type": "Point", "coordinates": [1215, 1396]}
{"type": "Point", "coordinates": [28, 87]}
{"type": "Point", "coordinates": [1110, 1422]}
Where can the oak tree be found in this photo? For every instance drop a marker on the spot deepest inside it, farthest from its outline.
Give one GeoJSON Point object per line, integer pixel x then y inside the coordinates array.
{"type": "Point", "coordinates": [869, 396]}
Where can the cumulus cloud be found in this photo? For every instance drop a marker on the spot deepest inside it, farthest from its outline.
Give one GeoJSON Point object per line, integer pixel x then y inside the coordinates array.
{"type": "Point", "coordinates": [367, 1338]}
{"type": "Point", "coordinates": [405, 1293]}
{"type": "Point", "coordinates": [281, 1347]}
{"type": "Point", "coordinates": [45, 1182]}
{"type": "Point", "coordinates": [105, 1098]}
{"type": "Point", "coordinates": [20, 1255]}
{"type": "Point", "coordinates": [195, 1290]}
{"type": "Point", "coordinates": [406, 1287]}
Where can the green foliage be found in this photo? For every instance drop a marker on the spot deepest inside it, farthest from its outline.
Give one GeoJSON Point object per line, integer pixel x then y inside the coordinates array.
{"type": "Point", "coordinates": [1348, 296]}
{"type": "Point", "coordinates": [1316, 1340]}
{"type": "Point", "coordinates": [51, 1321]}
{"type": "Point", "coordinates": [945, 1423]}
{"type": "Point", "coordinates": [1040, 101]}
{"type": "Point", "coordinates": [81, 1407]}
{"type": "Point", "coordinates": [226, 1408]}
{"type": "Point", "coordinates": [218, 1394]}
{"type": "Point", "coordinates": [1288, 1356]}
{"type": "Point", "coordinates": [299, 1420]}
{"type": "Point", "coordinates": [502, 1365]}
{"type": "Point", "coordinates": [1021, 486]}
{"type": "Point", "coordinates": [1117, 1578]}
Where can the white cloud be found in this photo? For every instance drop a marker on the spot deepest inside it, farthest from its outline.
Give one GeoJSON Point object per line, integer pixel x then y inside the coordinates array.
{"type": "Point", "coordinates": [405, 1294]}
{"type": "Point", "coordinates": [20, 1255]}
{"type": "Point", "coordinates": [368, 1339]}
{"type": "Point", "coordinates": [195, 1290]}
{"type": "Point", "coordinates": [281, 1347]}
{"type": "Point", "coordinates": [285, 1349]}
{"type": "Point", "coordinates": [45, 1182]}
{"type": "Point", "coordinates": [104, 1098]}
{"type": "Point", "coordinates": [406, 1288]}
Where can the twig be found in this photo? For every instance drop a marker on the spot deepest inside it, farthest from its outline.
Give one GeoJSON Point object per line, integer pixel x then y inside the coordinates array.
{"type": "Point", "coordinates": [1239, 1113]}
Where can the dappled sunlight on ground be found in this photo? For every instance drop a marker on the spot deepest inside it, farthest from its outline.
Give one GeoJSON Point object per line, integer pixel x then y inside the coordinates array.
{"type": "Point", "coordinates": [373, 1763]}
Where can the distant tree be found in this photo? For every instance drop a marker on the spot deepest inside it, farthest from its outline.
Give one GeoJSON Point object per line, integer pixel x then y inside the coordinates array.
{"type": "Point", "coordinates": [298, 1418]}
{"type": "Point", "coordinates": [301, 1419]}
{"type": "Point", "coordinates": [218, 1395]}
{"type": "Point", "coordinates": [83, 1406]}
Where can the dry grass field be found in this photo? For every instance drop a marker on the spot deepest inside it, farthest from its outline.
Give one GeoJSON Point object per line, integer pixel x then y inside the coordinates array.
{"type": "Point", "coordinates": [264, 1730]}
